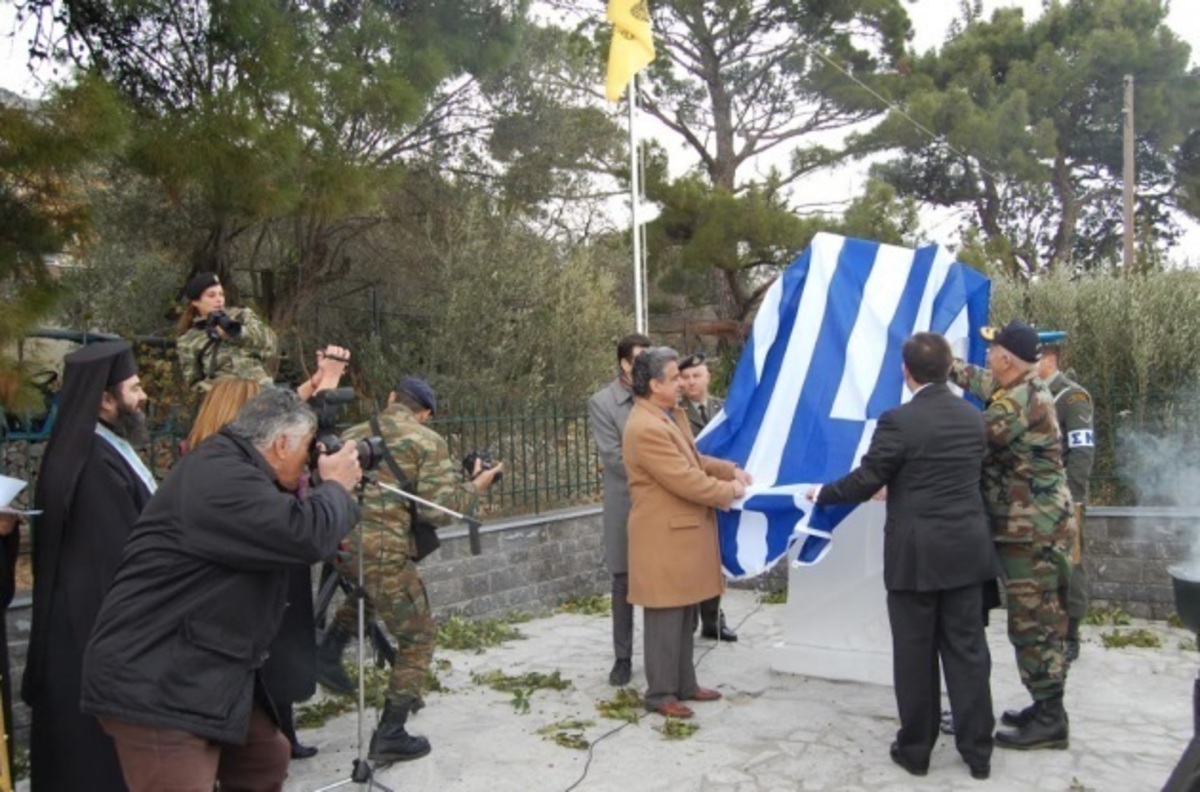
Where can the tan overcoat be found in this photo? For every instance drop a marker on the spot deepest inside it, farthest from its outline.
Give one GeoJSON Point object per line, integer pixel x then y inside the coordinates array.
{"type": "Point", "coordinates": [674, 558]}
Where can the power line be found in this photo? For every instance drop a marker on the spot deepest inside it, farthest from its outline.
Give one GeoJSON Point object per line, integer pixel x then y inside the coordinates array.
{"type": "Point", "coordinates": [895, 108]}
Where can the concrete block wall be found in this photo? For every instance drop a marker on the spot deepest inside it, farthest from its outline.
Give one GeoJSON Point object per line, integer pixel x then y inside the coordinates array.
{"type": "Point", "coordinates": [527, 565]}
{"type": "Point", "coordinates": [1128, 550]}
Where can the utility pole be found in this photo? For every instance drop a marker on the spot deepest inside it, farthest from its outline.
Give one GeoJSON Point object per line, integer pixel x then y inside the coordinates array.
{"type": "Point", "coordinates": [1129, 175]}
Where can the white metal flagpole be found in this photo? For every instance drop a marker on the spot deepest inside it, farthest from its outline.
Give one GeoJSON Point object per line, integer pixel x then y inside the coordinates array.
{"type": "Point", "coordinates": [639, 296]}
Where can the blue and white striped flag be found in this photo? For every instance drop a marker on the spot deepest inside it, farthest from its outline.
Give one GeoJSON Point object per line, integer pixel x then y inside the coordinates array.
{"type": "Point", "coordinates": [822, 364]}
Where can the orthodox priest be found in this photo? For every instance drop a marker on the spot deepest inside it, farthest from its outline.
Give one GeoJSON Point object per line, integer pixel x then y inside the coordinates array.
{"type": "Point", "coordinates": [91, 489]}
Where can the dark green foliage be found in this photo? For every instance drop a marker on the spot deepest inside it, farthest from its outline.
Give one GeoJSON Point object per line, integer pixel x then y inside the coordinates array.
{"type": "Point", "coordinates": [1028, 119]}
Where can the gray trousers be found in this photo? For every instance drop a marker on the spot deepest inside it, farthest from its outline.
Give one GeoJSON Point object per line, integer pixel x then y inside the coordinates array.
{"type": "Point", "coordinates": [622, 613]}
{"type": "Point", "coordinates": [670, 669]}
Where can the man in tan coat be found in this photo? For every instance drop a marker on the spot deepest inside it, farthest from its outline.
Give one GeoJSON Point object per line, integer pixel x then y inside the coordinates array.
{"type": "Point", "coordinates": [674, 558]}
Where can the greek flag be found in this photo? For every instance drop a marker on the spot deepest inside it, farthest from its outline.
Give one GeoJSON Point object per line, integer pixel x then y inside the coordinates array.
{"type": "Point", "coordinates": [820, 367]}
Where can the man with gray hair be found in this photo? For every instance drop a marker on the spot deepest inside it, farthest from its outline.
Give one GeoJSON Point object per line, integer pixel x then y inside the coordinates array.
{"type": "Point", "coordinates": [172, 666]}
{"type": "Point", "coordinates": [674, 558]}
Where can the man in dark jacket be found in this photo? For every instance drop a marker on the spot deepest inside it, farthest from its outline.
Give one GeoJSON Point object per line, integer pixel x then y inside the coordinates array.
{"type": "Point", "coordinates": [937, 553]}
{"type": "Point", "coordinates": [172, 667]}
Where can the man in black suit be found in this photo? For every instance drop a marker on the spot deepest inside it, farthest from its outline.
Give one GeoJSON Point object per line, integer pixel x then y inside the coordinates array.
{"type": "Point", "coordinates": [938, 551]}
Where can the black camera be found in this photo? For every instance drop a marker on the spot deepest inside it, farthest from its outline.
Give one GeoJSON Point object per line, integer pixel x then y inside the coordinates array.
{"type": "Point", "coordinates": [485, 461]}
{"type": "Point", "coordinates": [370, 450]}
{"type": "Point", "coordinates": [219, 319]}
{"type": "Point", "coordinates": [326, 405]}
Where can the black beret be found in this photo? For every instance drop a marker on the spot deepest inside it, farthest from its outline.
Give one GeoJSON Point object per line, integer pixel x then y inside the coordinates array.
{"type": "Point", "coordinates": [691, 361]}
{"type": "Point", "coordinates": [200, 284]}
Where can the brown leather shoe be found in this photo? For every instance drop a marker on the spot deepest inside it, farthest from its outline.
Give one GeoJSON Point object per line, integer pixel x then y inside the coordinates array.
{"type": "Point", "coordinates": [705, 694]}
{"type": "Point", "coordinates": [674, 709]}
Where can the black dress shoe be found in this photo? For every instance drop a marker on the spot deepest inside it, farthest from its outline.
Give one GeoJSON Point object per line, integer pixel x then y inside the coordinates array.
{"type": "Point", "coordinates": [300, 751]}
{"type": "Point", "coordinates": [981, 772]}
{"type": "Point", "coordinates": [899, 759]}
{"type": "Point", "coordinates": [622, 672]}
{"type": "Point", "coordinates": [715, 634]}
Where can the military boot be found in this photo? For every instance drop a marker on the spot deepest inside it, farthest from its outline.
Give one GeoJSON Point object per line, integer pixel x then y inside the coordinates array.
{"type": "Point", "coordinates": [1048, 729]}
{"type": "Point", "coordinates": [330, 671]}
{"type": "Point", "coordinates": [1018, 718]}
{"type": "Point", "coordinates": [391, 742]}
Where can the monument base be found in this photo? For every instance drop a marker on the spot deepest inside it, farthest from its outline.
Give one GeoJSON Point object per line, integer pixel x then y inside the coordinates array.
{"type": "Point", "coordinates": [835, 620]}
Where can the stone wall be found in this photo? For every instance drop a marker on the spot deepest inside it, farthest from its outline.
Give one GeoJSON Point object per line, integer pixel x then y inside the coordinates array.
{"type": "Point", "coordinates": [528, 564]}
{"type": "Point", "coordinates": [1127, 552]}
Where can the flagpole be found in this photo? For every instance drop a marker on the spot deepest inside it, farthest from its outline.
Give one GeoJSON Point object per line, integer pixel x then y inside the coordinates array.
{"type": "Point", "coordinates": [639, 297]}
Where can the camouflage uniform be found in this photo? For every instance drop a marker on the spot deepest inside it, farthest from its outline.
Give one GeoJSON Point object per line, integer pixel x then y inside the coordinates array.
{"type": "Point", "coordinates": [390, 577]}
{"type": "Point", "coordinates": [245, 356]}
{"type": "Point", "coordinates": [1025, 492]}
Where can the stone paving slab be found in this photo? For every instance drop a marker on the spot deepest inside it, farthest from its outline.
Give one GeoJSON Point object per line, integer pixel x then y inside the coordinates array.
{"type": "Point", "coordinates": [1130, 721]}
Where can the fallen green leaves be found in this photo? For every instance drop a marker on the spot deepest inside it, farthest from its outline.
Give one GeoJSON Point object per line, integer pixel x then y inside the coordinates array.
{"type": "Point", "coordinates": [587, 605]}
{"type": "Point", "coordinates": [625, 706]}
{"type": "Point", "coordinates": [522, 687]}
{"type": "Point", "coordinates": [1117, 639]}
{"type": "Point", "coordinates": [676, 729]}
{"type": "Point", "coordinates": [568, 733]}
{"type": "Point", "coordinates": [463, 634]}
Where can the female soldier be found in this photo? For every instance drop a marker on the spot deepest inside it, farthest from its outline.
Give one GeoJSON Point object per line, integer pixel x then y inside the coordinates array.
{"type": "Point", "coordinates": [214, 343]}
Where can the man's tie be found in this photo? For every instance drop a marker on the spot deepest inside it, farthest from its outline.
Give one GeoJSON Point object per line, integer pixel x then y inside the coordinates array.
{"type": "Point", "coordinates": [703, 415]}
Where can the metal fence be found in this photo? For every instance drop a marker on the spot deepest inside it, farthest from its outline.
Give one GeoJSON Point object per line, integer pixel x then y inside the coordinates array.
{"type": "Point", "coordinates": [1148, 449]}
{"type": "Point", "coordinates": [549, 457]}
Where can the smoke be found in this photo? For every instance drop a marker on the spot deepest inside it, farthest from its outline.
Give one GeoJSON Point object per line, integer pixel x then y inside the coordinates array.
{"type": "Point", "coordinates": [1162, 470]}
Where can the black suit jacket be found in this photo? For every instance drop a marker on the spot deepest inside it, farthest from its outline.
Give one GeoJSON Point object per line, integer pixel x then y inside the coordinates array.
{"type": "Point", "coordinates": [929, 454]}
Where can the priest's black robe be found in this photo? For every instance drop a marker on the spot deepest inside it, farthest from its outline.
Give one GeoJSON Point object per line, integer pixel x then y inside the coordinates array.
{"type": "Point", "coordinates": [73, 568]}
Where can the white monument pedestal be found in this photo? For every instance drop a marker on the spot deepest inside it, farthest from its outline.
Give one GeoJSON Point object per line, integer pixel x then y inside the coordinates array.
{"type": "Point", "coordinates": [835, 622]}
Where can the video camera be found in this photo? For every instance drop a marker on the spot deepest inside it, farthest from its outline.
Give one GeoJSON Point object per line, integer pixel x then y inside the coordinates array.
{"type": "Point", "coordinates": [219, 319]}
{"type": "Point", "coordinates": [326, 404]}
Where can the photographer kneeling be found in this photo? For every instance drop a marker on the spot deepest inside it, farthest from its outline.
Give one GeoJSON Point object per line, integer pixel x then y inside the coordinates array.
{"type": "Point", "coordinates": [173, 663]}
{"type": "Point", "coordinates": [390, 550]}
{"type": "Point", "coordinates": [216, 343]}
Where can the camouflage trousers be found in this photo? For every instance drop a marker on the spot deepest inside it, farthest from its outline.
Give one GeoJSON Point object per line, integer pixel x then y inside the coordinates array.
{"type": "Point", "coordinates": [1036, 579]}
{"type": "Point", "coordinates": [396, 595]}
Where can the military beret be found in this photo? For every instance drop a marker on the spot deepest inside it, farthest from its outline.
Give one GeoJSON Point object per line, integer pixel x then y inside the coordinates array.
{"type": "Point", "coordinates": [691, 361]}
{"type": "Point", "coordinates": [1051, 339]}
{"type": "Point", "coordinates": [420, 392]}
{"type": "Point", "coordinates": [1017, 337]}
{"type": "Point", "coordinates": [200, 284]}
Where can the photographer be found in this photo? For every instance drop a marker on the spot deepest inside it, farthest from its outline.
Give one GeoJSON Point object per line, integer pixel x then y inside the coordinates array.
{"type": "Point", "coordinates": [216, 343]}
{"type": "Point", "coordinates": [390, 551]}
{"type": "Point", "coordinates": [172, 668]}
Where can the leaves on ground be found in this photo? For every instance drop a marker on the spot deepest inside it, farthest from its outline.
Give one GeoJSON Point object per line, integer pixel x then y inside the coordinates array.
{"type": "Point", "coordinates": [626, 705]}
{"type": "Point", "coordinates": [568, 733]}
{"type": "Point", "coordinates": [676, 729]}
{"type": "Point", "coordinates": [463, 634]}
{"type": "Point", "coordinates": [1117, 639]}
{"type": "Point", "coordinates": [587, 605]}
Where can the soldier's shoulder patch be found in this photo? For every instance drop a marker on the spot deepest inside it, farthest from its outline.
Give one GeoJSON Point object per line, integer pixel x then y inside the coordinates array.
{"type": "Point", "coordinates": [1079, 397]}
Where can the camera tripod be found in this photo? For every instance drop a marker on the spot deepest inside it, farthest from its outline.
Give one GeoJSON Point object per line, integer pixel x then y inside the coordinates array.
{"type": "Point", "coordinates": [362, 773]}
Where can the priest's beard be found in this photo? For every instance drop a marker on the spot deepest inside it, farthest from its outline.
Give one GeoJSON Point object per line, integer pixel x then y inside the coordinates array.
{"type": "Point", "coordinates": [130, 425]}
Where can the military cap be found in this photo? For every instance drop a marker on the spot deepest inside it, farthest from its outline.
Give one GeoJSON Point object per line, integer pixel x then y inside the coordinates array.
{"type": "Point", "coordinates": [1051, 339]}
{"type": "Point", "coordinates": [691, 361]}
{"type": "Point", "coordinates": [200, 284]}
{"type": "Point", "coordinates": [420, 392]}
{"type": "Point", "coordinates": [1017, 337]}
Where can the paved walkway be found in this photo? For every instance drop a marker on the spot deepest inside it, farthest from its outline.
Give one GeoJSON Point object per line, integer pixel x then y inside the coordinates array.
{"type": "Point", "coordinates": [1130, 720]}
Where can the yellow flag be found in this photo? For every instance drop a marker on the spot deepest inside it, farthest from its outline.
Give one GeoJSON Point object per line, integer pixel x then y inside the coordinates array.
{"type": "Point", "coordinates": [632, 44]}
